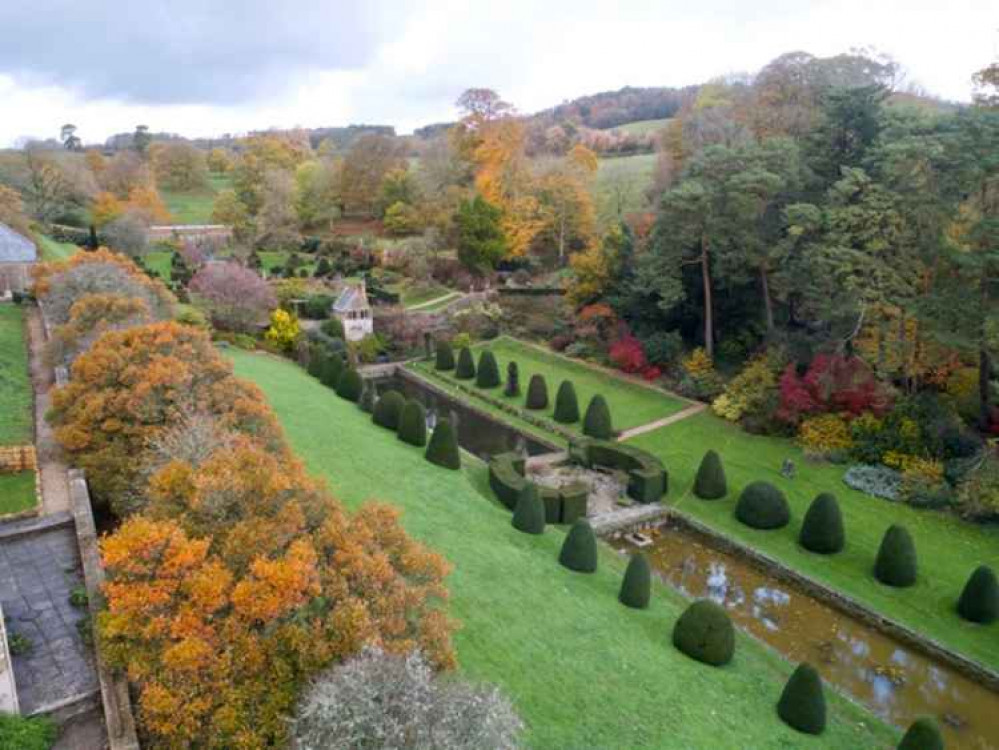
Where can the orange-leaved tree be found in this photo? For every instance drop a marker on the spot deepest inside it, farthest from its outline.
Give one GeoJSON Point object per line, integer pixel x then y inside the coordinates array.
{"type": "Point", "coordinates": [90, 317]}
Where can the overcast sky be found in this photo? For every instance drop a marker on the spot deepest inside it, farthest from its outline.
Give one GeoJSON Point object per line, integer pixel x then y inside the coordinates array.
{"type": "Point", "coordinates": [206, 67]}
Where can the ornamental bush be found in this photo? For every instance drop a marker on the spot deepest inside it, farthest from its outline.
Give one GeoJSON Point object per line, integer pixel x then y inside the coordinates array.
{"type": "Point", "coordinates": [763, 506]}
{"type": "Point", "coordinates": [579, 551]}
{"type": "Point", "coordinates": [923, 734]}
{"type": "Point", "coordinates": [896, 562]}
{"type": "Point", "coordinates": [445, 356]}
{"type": "Point", "coordinates": [979, 601]}
{"type": "Point", "coordinates": [487, 375]}
{"type": "Point", "coordinates": [466, 365]}
{"type": "Point", "coordinates": [351, 385]}
{"type": "Point", "coordinates": [388, 410]}
{"type": "Point", "coordinates": [529, 513]}
{"type": "Point", "coordinates": [802, 705]}
{"type": "Point", "coordinates": [368, 398]}
{"type": "Point", "coordinates": [636, 587]}
{"type": "Point", "coordinates": [443, 447]}
{"type": "Point", "coordinates": [332, 369]}
{"type": "Point", "coordinates": [413, 424]}
{"type": "Point", "coordinates": [537, 393]}
{"type": "Point", "coordinates": [597, 422]}
{"type": "Point", "coordinates": [704, 632]}
{"type": "Point", "coordinates": [512, 389]}
{"type": "Point", "coordinates": [822, 529]}
{"type": "Point", "coordinates": [566, 404]}
{"type": "Point", "coordinates": [710, 483]}
{"type": "Point", "coordinates": [316, 359]}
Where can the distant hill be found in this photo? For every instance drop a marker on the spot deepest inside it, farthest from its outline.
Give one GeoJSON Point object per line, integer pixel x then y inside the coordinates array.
{"type": "Point", "coordinates": [609, 109]}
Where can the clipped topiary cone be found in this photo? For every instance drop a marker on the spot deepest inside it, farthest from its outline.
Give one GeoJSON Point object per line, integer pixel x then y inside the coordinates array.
{"type": "Point", "coordinates": [332, 368]}
{"type": "Point", "coordinates": [822, 529]}
{"type": "Point", "coordinates": [466, 365]}
{"type": "Point", "coordinates": [597, 421]}
{"type": "Point", "coordinates": [388, 410]}
{"type": "Point", "coordinates": [537, 393]}
{"type": "Point", "coordinates": [413, 424]}
{"type": "Point", "coordinates": [512, 389]}
{"type": "Point", "coordinates": [896, 562]}
{"type": "Point", "coordinates": [579, 550]}
{"type": "Point", "coordinates": [529, 513]}
{"type": "Point", "coordinates": [351, 385]}
{"type": "Point", "coordinates": [710, 483]}
{"type": "Point", "coordinates": [979, 600]}
{"type": "Point", "coordinates": [445, 356]}
{"type": "Point", "coordinates": [566, 404]}
{"type": "Point", "coordinates": [923, 734]}
{"type": "Point", "coordinates": [487, 376]}
{"type": "Point", "coordinates": [443, 448]}
{"type": "Point", "coordinates": [802, 705]}
{"type": "Point", "coordinates": [704, 632]}
{"type": "Point", "coordinates": [636, 588]}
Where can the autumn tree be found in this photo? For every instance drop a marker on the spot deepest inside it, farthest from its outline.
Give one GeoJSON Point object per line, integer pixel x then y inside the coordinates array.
{"type": "Point", "coordinates": [277, 222]}
{"type": "Point", "coordinates": [12, 211]}
{"type": "Point", "coordinates": [219, 161]}
{"type": "Point", "coordinates": [89, 318]}
{"type": "Point", "coordinates": [234, 297]}
{"type": "Point", "coordinates": [365, 166]}
{"type": "Point", "coordinates": [125, 171]}
{"type": "Point", "coordinates": [228, 209]}
{"type": "Point", "coordinates": [180, 166]}
{"type": "Point", "coordinates": [564, 190]}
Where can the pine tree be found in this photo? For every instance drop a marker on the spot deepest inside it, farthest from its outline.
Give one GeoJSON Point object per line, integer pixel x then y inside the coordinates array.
{"type": "Point", "coordinates": [636, 588]}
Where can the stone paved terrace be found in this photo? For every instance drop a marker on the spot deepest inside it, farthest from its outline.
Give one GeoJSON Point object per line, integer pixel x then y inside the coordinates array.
{"type": "Point", "coordinates": [38, 570]}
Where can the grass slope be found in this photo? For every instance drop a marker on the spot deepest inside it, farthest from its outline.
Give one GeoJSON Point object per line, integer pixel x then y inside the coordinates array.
{"type": "Point", "coordinates": [17, 492]}
{"type": "Point", "coordinates": [642, 127]}
{"type": "Point", "coordinates": [583, 671]}
{"type": "Point", "coordinates": [948, 548]}
{"type": "Point", "coordinates": [620, 185]}
{"type": "Point", "coordinates": [52, 250]}
{"type": "Point", "coordinates": [195, 207]}
{"type": "Point", "coordinates": [15, 386]}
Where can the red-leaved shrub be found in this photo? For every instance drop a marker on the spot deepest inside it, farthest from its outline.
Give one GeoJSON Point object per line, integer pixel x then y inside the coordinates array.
{"type": "Point", "coordinates": [627, 354]}
{"type": "Point", "coordinates": [832, 384]}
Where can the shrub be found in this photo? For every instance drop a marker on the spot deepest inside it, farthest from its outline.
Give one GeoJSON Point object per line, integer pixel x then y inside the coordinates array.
{"type": "Point", "coordinates": [487, 375]}
{"type": "Point", "coordinates": [529, 513]}
{"type": "Point", "coordinates": [331, 371]}
{"type": "Point", "coordinates": [235, 297]}
{"type": "Point", "coordinates": [566, 405]}
{"type": "Point", "coordinates": [627, 354]}
{"type": "Point", "coordinates": [710, 483]}
{"type": "Point", "coordinates": [512, 389]}
{"type": "Point", "coordinates": [833, 383]}
{"type": "Point", "coordinates": [23, 733]}
{"type": "Point", "coordinates": [700, 378]}
{"type": "Point", "coordinates": [824, 435]}
{"type": "Point", "coordinates": [896, 562]}
{"type": "Point", "coordinates": [802, 705]}
{"type": "Point", "coordinates": [284, 331]}
{"type": "Point", "coordinates": [979, 601]}
{"type": "Point", "coordinates": [597, 422]}
{"type": "Point", "coordinates": [350, 385]}
{"type": "Point", "coordinates": [537, 393]}
{"type": "Point", "coordinates": [579, 550]}
{"type": "Point", "coordinates": [704, 632]}
{"type": "Point", "coordinates": [466, 365]}
{"type": "Point", "coordinates": [923, 734]}
{"type": "Point", "coordinates": [443, 447]}
{"type": "Point", "coordinates": [978, 494]}
{"type": "Point", "coordinates": [413, 424]}
{"type": "Point", "coordinates": [763, 506]}
{"type": "Point", "coordinates": [747, 391]}
{"type": "Point", "coordinates": [876, 481]}
{"type": "Point", "coordinates": [445, 357]}
{"type": "Point", "coordinates": [388, 410]}
{"type": "Point", "coordinates": [822, 529]}
{"type": "Point", "coordinates": [368, 398]}
{"type": "Point", "coordinates": [317, 307]}
{"type": "Point", "coordinates": [332, 327]}
{"type": "Point", "coordinates": [636, 588]}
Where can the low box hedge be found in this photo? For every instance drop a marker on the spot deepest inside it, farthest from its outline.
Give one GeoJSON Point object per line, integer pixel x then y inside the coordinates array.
{"type": "Point", "coordinates": [506, 478]}
{"type": "Point", "coordinates": [648, 480]}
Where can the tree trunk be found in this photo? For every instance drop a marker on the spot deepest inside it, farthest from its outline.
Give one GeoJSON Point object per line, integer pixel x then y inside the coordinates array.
{"type": "Point", "coordinates": [709, 323]}
{"type": "Point", "coordinates": [768, 304]}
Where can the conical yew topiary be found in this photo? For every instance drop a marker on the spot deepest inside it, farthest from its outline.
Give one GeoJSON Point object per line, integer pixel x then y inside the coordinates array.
{"type": "Point", "coordinates": [566, 404]}
{"type": "Point", "coordinates": [466, 365]}
{"type": "Point", "coordinates": [802, 705]}
{"type": "Point", "coordinates": [331, 370]}
{"type": "Point", "coordinates": [704, 632]}
{"type": "Point", "coordinates": [512, 389]}
{"type": "Point", "coordinates": [443, 447]}
{"type": "Point", "coordinates": [537, 393]}
{"type": "Point", "coordinates": [445, 356]}
{"type": "Point", "coordinates": [822, 529]}
{"type": "Point", "coordinates": [636, 588]}
{"type": "Point", "coordinates": [316, 359]}
{"type": "Point", "coordinates": [896, 562]}
{"type": "Point", "coordinates": [529, 513]}
{"type": "Point", "coordinates": [368, 398]}
{"type": "Point", "coordinates": [763, 506]}
{"type": "Point", "coordinates": [579, 550]}
{"type": "Point", "coordinates": [388, 410]}
{"type": "Point", "coordinates": [979, 601]}
{"type": "Point", "coordinates": [487, 376]}
{"type": "Point", "coordinates": [710, 483]}
{"type": "Point", "coordinates": [597, 421]}
{"type": "Point", "coordinates": [413, 424]}
{"type": "Point", "coordinates": [923, 734]}
{"type": "Point", "coordinates": [350, 386]}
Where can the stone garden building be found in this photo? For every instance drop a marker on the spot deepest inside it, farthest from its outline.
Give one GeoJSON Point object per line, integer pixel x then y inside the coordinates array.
{"type": "Point", "coordinates": [17, 255]}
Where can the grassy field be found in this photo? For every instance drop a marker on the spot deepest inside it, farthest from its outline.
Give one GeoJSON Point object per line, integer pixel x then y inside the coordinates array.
{"type": "Point", "coordinates": [15, 386]}
{"type": "Point", "coordinates": [55, 251]}
{"type": "Point", "coordinates": [949, 549]}
{"type": "Point", "coordinates": [195, 207]}
{"type": "Point", "coordinates": [274, 260]}
{"type": "Point", "coordinates": [642, 127]}
{"type": "Point", "coordinates": [583, 671]}
{"type": "Point", "coordinates": [158, 261]}
{"type": "Point", "coordinates": [17, 492]}
{"type": "Point", "coordinates": [620, 185]}
{"type": "Point", "coordinates": [439, 303]}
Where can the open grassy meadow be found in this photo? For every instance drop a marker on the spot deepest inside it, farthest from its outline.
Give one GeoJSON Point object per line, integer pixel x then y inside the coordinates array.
{"type": "Point", "coordinates": [620, 185]}
{"type": "Point", "coordinates": [53, 250]}
{"type": "Point", "coordinates": [195, 207]}
{"type": "Point", "coordinates": [15, 386]}
{"type": "Point", "coordinates": [642, 127]}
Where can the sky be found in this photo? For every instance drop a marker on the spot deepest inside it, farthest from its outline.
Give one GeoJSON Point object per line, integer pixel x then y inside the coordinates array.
{"type": "Point", "coordinates": [207, 67]}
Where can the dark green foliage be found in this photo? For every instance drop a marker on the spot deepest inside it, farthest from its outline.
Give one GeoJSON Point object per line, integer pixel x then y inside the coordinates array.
{"type": "Point", "coordinates": [566, 404]}
{"type": "Point", "coordinates": [636, 587]}
{"type": "Point", "coordinates": [896, 562]}
{"type": "Point", "coordinates": [512, 380]}
{"type": "Point", "coordinates": [487, 376]}
{"type": "Point", "coordinates": [317, 307]}
{"type": "Point", "coordinates": [388, 410]}
{"type": "Point", "coordinates": [443, 448]}
{"type": "Point", "coordinates": [351, 385]}
{"type": "Point", "coordinates": [979, 601]}
{"type": "Point", "coordinates": [923, 734]}
{"type": "Point", "coordinates": [480, 241]}
{"type": "Point", "coordinates": [579, 550]}
{"type": "Point", "coordinates": [332, 327]}
{"type": "Point", "coordinates": [704, 632]}
{"type": "Point", "coordinates": [316, 358]}
{"type": "Point", "coordinates": [529, 514]}
{"type": "Point", "coordinates": [763, 506]}
{"type": "Point", "coordinates": [802, 705]}
{"type": "Point", "coordinates": [368, 398]}
{"type": "Point", "coordinates": [23, 733]}
{"type": "Point", "coordinates": [413, 424]}
{"type": "Point", "coordinates": [445, 356]}
{"type": "Point", "coordinates": [331, 371]}
{"type": "Point", "coordinates": [466, 365]}
{"type": "Point", "coordinates": [822, 529]}
{"type": "Point", "coordinates": [597, 422]}
{"type": "Point", "coordinates": [710, 483]}
{"type": "Point", "coordinates": [537, 393]}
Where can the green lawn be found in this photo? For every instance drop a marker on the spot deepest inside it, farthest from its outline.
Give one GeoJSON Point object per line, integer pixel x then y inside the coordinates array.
{"type": "Point", "coordinates": [274, 260]}
{"type": "Point", "coordinates": [15, 386]}
{"type": "Point", "coordinates": [583, 671]}
{"type": "Point", "coordinates": [642, 127]}
{"type": "Point", "coordinates": [53, 250]}
{"type": "Point", "coordinates": [195, 207]}
{"type": "Point", "coordinates": [418, 294]}
{"type": "Point", "coordinates": [949, 549]}
{"type": "Point", "coordinates": [17, 492]}
{"type": "Point", "coordinates": [158, 261]}
{"type": "Point", "coordinates": [440, 302]}
{"type": "Point", "coordinates": [620, 185]}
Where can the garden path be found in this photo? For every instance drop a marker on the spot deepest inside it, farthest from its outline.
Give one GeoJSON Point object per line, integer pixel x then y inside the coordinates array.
{"type": "Point", "coordinates": [694, 408]}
